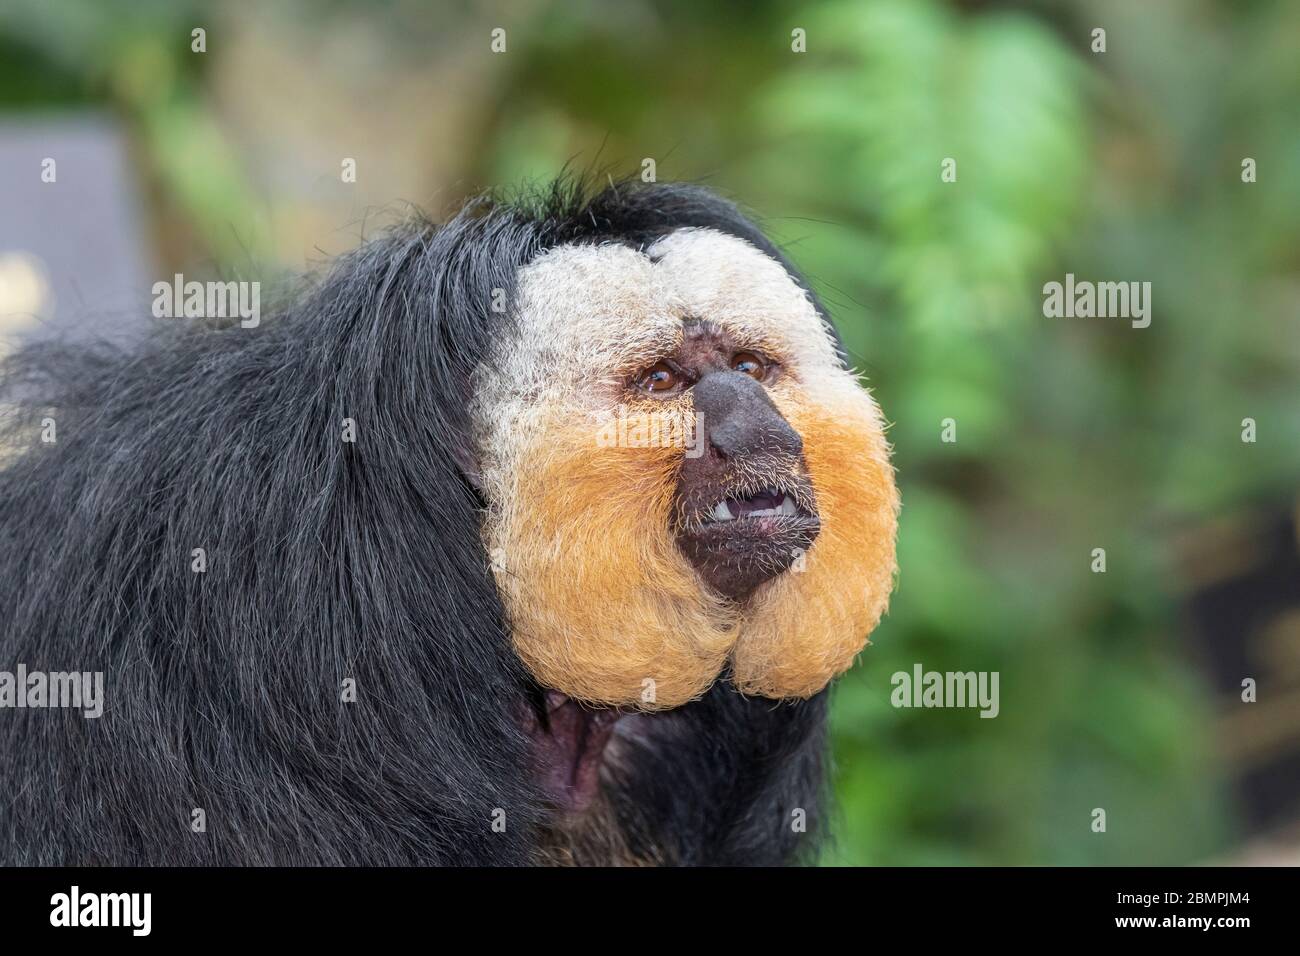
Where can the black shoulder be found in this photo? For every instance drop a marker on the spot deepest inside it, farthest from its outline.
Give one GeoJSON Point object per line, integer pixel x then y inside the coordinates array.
{"type": "Point", "coordinates": [261, 540]}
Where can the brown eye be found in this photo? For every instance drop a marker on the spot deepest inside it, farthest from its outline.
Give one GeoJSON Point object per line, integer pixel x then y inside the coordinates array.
{"type": "Point", "coordinates": [749, 364]}
{"type": "Point", "coordinates": [659, 378]}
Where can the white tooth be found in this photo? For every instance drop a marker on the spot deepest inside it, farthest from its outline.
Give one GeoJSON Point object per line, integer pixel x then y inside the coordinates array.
{"type": "Point", "coordinates": [722, 513]}
{"type": "Point", "coordinates": [788, 508]}
{"type": "Point", "coordinates": [764, 513]}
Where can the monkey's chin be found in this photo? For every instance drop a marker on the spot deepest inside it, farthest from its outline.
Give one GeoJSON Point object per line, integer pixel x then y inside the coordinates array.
{"type": "Point", "coordinates": [734, 557]}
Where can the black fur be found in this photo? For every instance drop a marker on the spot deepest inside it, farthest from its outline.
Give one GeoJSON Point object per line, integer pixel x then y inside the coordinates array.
{"type": "Point", "coordinates": [327, 560]}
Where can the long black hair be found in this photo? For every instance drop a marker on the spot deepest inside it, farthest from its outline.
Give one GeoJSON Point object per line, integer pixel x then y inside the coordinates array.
{"type": "Point", "coordinates": [331, 569]}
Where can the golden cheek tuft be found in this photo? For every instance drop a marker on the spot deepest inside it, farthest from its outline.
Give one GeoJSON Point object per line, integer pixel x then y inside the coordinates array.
{"type": "Point", "coordinates": [602, 604]}
{"type": "Point", "coordinates": [806, 627]}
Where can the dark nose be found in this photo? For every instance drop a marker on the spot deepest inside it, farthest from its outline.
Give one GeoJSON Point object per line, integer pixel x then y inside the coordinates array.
{"type": "Point", "coordinates": [740, 419]}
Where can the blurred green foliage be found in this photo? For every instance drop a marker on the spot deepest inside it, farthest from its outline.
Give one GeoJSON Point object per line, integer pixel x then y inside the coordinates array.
{"type": "Point", "coordinates": [1072, 433]}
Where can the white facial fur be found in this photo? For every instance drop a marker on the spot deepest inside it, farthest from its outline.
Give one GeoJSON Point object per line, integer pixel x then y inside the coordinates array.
{"type": "Point", "coordinates": [601, 599]}
{"type": "Point", "coordinates": [591, 315]}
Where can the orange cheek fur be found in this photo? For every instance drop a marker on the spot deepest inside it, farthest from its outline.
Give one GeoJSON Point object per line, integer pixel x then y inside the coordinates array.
{"type": "Point", "coordinates": [602, 604]}
{"type": "Point", "coordinates": [806, 627]}
{"type": "Point", "coordinates": [605, 608]}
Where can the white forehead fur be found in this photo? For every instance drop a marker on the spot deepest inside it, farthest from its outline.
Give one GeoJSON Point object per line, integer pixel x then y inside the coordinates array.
{"type": "Point", "coordinates": [591, 316]}
{"type": "Point", "coordinates": [586, 313]}
{"type": "Point", "coordinates": [718, 277]}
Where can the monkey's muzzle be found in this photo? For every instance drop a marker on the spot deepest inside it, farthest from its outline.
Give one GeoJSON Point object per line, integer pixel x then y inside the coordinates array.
{"type": "Point", "coordinates": [745, 538]}
{"type": "Point", "coordinates": [746, 509]}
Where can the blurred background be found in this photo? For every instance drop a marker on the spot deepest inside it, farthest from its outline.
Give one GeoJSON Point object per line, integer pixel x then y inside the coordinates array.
{"type": "Point", "coordinates": [1120, 690]}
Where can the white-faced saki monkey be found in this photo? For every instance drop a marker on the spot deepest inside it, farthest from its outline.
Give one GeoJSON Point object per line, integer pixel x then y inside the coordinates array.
{"type": "Point", "coordinates": [533, 537]}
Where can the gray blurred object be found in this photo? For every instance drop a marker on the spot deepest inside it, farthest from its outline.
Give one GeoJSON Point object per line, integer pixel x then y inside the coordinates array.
{"type": "Point", "coordinates": [73, 258]}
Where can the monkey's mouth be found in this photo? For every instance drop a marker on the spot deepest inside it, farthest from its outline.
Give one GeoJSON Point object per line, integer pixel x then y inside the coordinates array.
{"type": "Point", "coordinates": [768, 503]}
{"type": "Point", "coordinates": [740, 539]}
{"type": "Point", "coordinates": [569, 741]}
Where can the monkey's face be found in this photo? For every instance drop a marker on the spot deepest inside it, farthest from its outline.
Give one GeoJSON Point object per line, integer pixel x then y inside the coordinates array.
{"type": "Point", "coordinates": [681, 479]}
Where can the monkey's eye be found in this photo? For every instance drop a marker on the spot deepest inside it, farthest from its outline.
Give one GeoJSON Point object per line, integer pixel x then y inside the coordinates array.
{"type": "Point", "coordinates": [749, 364]}
{"type": "Point", "coordinates": [660, 377]}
